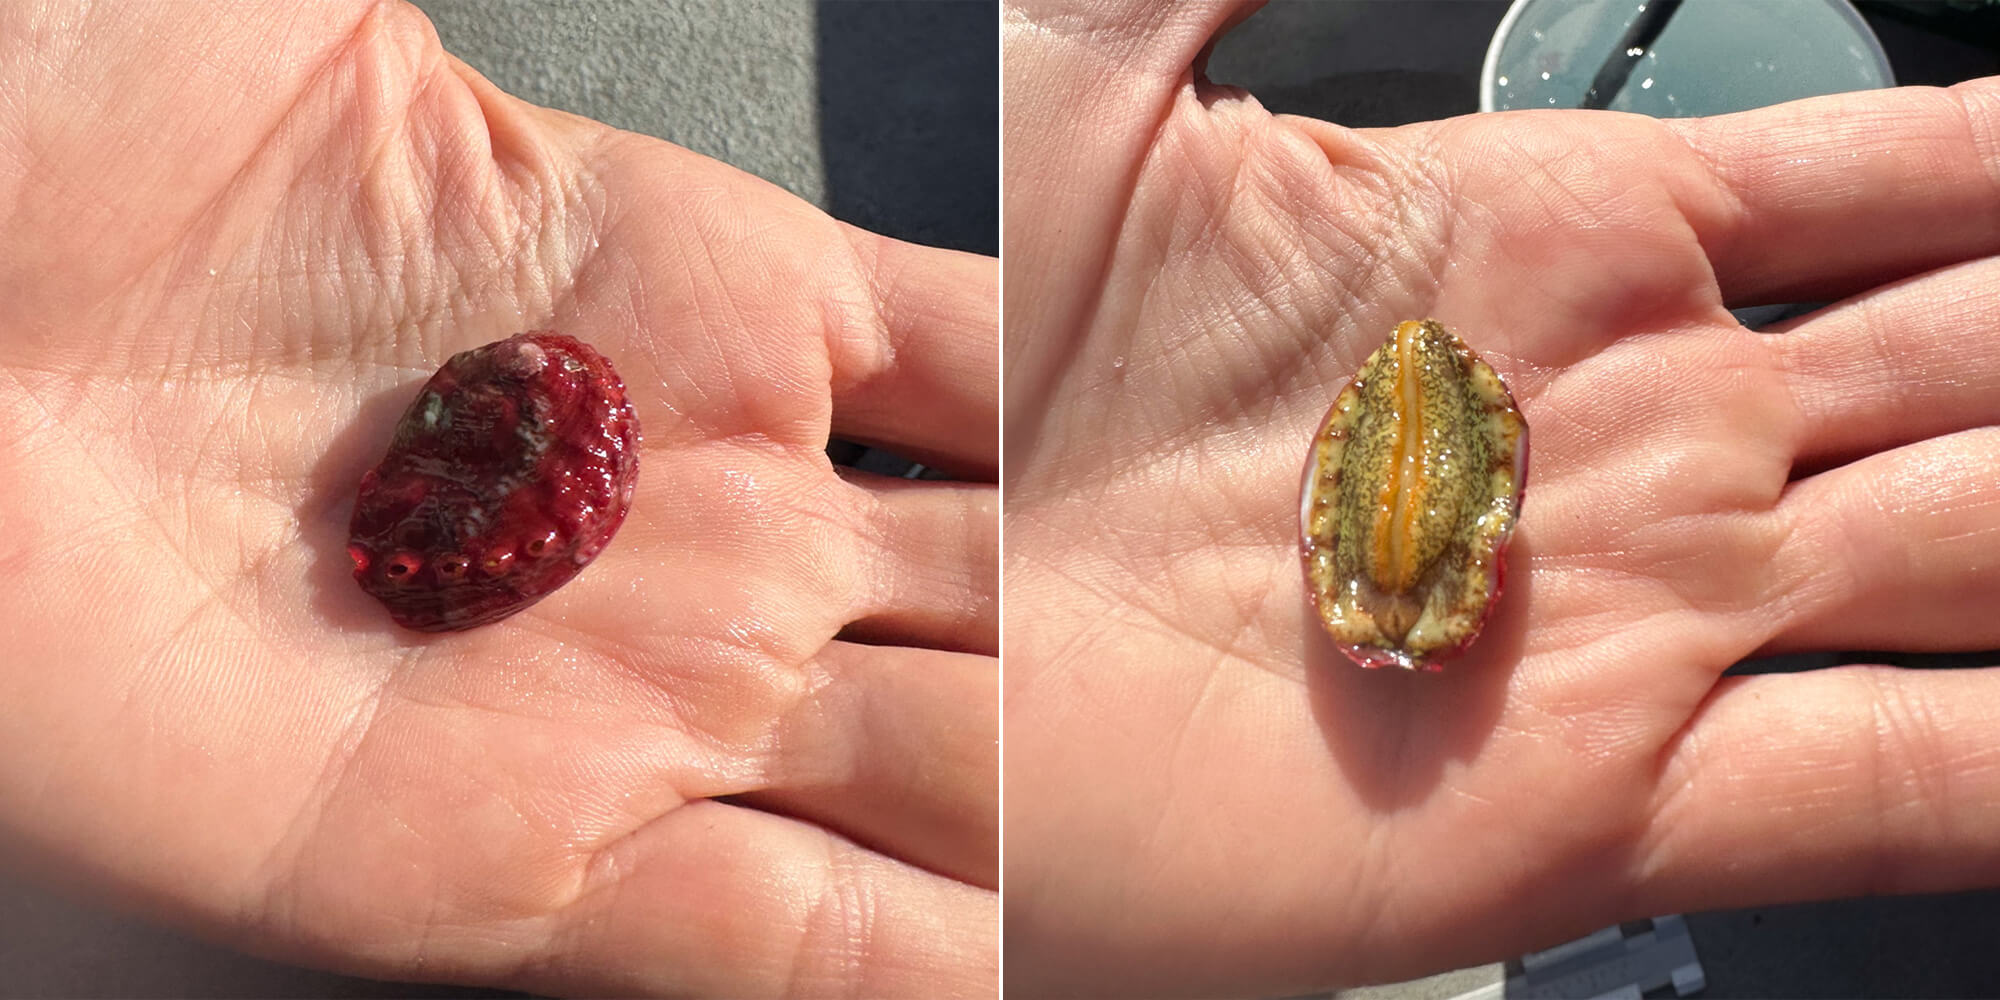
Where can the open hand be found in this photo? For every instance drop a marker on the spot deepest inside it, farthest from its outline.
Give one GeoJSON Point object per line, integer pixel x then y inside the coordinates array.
{"type": "Point", "coordinates": [235, 244]}
{"type": "Point", "coordinates": [1204, 796]}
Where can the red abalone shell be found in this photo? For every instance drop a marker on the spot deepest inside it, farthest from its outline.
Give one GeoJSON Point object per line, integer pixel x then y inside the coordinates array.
{"type": "Point", "coordinates": [507, 475]}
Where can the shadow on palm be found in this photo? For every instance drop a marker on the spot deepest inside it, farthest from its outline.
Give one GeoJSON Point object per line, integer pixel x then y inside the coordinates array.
{"type": "Point", "coordinates": [1394, 733]}
{"type": "Point", "coordinates": [323, 516]}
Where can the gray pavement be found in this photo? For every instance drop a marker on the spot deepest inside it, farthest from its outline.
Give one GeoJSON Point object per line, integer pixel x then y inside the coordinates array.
{"type": "Point", "coordinates": [735, 80]}
{"type": "Point", "coordinates": [883, 112]}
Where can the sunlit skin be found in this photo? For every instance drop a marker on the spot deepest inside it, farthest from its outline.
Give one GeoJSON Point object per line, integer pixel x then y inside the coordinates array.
{"type": "Point", "coordinates": [749, 752]}
{"type": "Point", "coordinates": [1204, 797]}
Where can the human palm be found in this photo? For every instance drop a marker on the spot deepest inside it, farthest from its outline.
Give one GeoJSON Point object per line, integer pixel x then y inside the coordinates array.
{"type": "Point", "coordinates": [233, 251]}
{"type": "Point", "coordinates": [1204, 796]}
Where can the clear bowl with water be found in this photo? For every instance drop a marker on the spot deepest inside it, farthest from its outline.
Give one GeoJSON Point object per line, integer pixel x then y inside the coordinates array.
{"type": "Point", "coordinates": [1711, 57]}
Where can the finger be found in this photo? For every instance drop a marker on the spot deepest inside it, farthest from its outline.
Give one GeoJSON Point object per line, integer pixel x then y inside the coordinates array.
{"type": "Point", "coordinates": [934, 577]}
{"type": "Point", "coordinates": [1899, 364]}
{"type": "Point", "coordinates": [1900, 550]}
{"type": "Point", "coordinates": [899, 750]}
{"type": "Point", "coordinates": [1815, 199]}
{"type": "Point", "coordinates": [925, 382]}
{"type": "Point", "coordinates": [1843, 782]}
{"type": "Point", "coordinates": [720, 900]}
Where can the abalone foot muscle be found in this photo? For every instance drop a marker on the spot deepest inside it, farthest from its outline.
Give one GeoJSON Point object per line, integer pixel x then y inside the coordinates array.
{"type": "Point", "coordinates": [1411, 491]}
